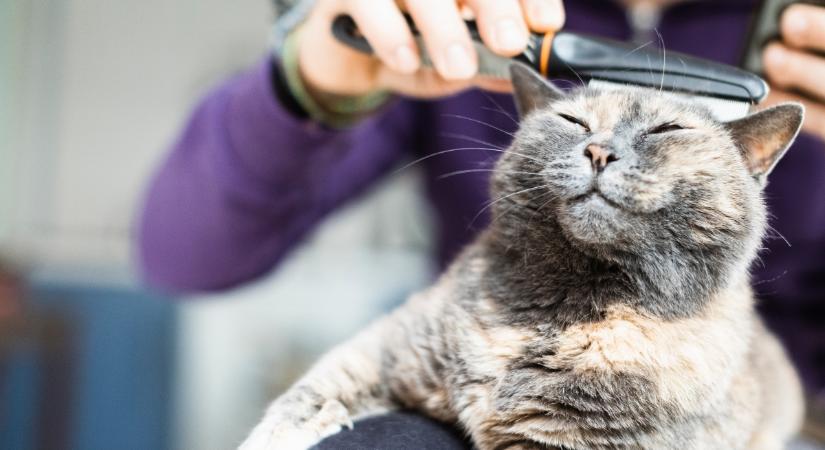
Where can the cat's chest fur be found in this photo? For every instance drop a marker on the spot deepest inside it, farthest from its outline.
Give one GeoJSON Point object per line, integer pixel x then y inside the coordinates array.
{"type": "Point", "coordinates": [577, 380]}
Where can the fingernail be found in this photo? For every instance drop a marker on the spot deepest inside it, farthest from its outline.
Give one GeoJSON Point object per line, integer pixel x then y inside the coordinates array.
{"type": "Point", "coordinates": [541, 13]}
{"type": "Point", "coordinates": [795, 22]}
{"type": "Point", "coordinates": [460, 63]}
{"type": "Point", "coordinates": [510, 36]}
{"type": "Point", "coordinates": [775, 56]}
{"type": "Point", "coordinates": [405, 60]}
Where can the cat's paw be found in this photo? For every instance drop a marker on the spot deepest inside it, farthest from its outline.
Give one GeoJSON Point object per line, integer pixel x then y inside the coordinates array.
{"type": "Point", "coordinates": [273, 434]}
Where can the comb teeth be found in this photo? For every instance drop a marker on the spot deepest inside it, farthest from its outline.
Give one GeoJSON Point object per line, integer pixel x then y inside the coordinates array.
{"type": "Point", "coordinates": [723, 110]}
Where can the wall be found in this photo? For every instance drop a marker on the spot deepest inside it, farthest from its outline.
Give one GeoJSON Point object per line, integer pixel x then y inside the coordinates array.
{"type": "Point", "coordinates": [99, 89]}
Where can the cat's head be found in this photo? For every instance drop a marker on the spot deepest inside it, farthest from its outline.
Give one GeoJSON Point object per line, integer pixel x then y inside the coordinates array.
{"type": "Point", "coordinates": [636, 172]}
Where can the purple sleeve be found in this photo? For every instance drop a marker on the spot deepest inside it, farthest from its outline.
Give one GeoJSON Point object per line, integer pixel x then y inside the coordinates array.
{"type": "Point", "coordinates": [247, 180]}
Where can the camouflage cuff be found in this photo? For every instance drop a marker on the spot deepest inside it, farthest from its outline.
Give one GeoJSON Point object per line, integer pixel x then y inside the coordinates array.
{"type": "Point", "coordinates": [335, 111]}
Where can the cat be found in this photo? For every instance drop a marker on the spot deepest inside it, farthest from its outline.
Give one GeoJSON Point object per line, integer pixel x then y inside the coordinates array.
{"type": "Point", "coordinates": [607, 306]}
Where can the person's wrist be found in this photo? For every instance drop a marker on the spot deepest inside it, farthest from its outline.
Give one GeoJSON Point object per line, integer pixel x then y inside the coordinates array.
{"type": "Point", "coordinates": [334, 110]}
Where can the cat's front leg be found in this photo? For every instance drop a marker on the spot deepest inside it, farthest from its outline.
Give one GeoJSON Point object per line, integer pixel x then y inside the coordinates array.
{"type": "Point", "coordinates": [397, 361]}
{"type": "Point", "coordinates": [298, 420]}
{"type": "Point", "coordinates": [345, 384]}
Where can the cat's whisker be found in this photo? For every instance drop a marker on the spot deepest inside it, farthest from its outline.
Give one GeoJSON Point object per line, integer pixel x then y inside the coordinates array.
{"type": "Point", "coordinates": [576, 74]}
{"type": "Point", "coordinates": [481, 122]}
{"type": "Point", "coordinates": [471, 139]}
{"type": "Point", "coordinates": [569, 83]}
{"type": "Point", "coordinates": [466, 171]}
{"type": "Point", "coordinates": [664, 58]}
{"type": "Point", "coordinates": [552, 195]}
{"type": "Point", "coordinates": [500, 150]}
{"type": "Point", "coordinates": [499, 108]}
{"type": "Point", "coordinates": [637, 48]}
{"type": "Point", "coordinates": [770, 280]}
{"type": "Point", "coordinates": [487, 108]}
{"type": "Point", "coordinates": [650, 70]}
{"type": "Point", "coordinates": [510, 209]}
{"type": "Point", "coordinates": [504, 214]}
{"type": "Point", "coordinates": [771, 229]}
{"type": "Point", "coordinates": [443, 152]}
{"type": "Point", "coordinates": [494, 202]}
{"type": "Point", "coordinates": [462, 149]}
{"type": "Point", "coordinates": [543, 205]}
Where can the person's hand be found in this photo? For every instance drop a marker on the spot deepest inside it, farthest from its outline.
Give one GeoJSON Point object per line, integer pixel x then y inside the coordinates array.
{"type": "Point", "coordinates": [329, 67]}
{"type": "Point", "coordinates": [794, 65]}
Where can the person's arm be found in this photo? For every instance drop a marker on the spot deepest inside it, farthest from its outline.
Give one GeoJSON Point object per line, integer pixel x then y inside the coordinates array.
{"type": "Point", "coordinates": [248, 179]}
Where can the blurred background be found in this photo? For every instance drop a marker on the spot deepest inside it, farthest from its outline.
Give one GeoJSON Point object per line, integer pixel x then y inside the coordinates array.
{"type": "Point", "coordinates": [91, 95]}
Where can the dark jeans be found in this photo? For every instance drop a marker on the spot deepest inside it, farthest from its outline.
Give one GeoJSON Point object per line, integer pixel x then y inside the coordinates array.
{"type": "Point", "coordinates": [410, 431]}
{"type": "Point", "coordinates": [397, 431]}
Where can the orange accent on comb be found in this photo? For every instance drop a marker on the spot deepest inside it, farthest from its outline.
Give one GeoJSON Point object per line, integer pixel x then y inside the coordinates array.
{"type": "Point", "coordinates": [544, 61]}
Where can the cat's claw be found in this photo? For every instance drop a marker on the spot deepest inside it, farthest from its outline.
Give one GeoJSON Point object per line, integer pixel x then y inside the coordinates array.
{"type": "Point", "coordinates": [272, 434]}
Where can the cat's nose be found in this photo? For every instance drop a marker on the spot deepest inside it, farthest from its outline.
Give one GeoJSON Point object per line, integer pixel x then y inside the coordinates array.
{"type": "Point", "coordinates": [599, 156]}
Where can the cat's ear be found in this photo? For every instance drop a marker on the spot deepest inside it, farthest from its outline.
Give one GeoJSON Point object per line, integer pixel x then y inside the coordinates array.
{"type": "Point", "coordinates": [765, 136]}
{"type": "Point", "coordinates": [531, 90]}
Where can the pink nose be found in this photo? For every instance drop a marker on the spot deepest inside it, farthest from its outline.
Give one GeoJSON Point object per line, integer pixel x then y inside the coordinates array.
{"type": "Point", "coordinates": [599, 156]}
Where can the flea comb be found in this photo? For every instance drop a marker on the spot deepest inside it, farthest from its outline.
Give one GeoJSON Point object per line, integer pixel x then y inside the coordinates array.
{"type": "Point", "coordinates": [728, 92]}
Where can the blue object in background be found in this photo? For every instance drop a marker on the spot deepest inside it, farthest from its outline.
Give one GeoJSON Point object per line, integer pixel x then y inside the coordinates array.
{"type": "Point", "coordinates": [19, 399]}
{"type": "Point", "coordinates": [104, 382]}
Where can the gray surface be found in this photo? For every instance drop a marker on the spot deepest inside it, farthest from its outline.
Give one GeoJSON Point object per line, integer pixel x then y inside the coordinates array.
{"type": "Point", "coordinates": [802, 444]}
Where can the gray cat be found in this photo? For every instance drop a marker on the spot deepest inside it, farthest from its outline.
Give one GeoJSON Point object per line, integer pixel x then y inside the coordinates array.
{"type": "Point", "coordinates": [607, 306]}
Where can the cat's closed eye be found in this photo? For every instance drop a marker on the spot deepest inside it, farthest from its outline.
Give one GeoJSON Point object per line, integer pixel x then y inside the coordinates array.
{"type": "Point", "coordinates": [665, 128]}
{"type": "Point", "coordinates": [575, 120]}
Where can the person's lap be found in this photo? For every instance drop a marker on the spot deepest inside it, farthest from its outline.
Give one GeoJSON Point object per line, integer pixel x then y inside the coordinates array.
{"type": "Point", "coordinates": [410, 431]}
{"type": "Point", "coordinates": [396, 431]}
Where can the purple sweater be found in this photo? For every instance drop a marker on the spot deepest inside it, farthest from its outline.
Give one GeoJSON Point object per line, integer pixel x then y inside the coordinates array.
{"type": "Point", "coordinates": [248, 178]}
